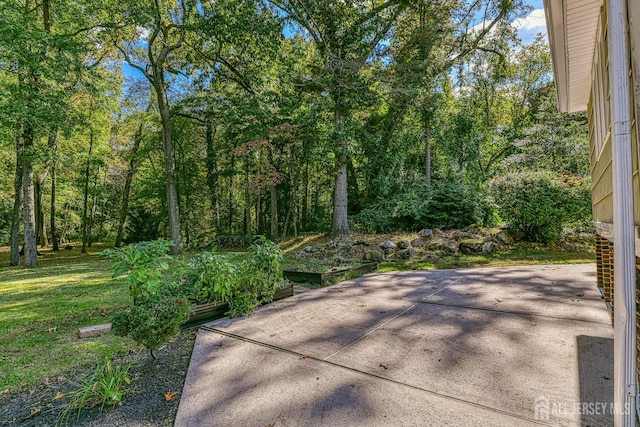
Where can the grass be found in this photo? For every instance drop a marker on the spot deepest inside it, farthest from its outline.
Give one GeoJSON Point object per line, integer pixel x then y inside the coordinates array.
{"type": "Point", "coordinates": [43, 308]}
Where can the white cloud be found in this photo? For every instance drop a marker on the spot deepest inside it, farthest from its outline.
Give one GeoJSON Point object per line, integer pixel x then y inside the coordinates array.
{"type": "Point", "coordinates": [531, 25]}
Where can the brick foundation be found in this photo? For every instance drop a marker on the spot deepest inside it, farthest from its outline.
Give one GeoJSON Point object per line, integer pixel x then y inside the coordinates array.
{"type": "Point", "coordinates": [604, 274]}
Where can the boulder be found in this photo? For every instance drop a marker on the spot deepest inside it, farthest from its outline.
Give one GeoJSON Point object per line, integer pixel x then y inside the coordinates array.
{"type": "Point", "coordinates": [470, 246]}
{"type": "Point", "coordinates": [503, 238]}
{"type": "Point", "coordinates": [406, 253]}
{"type": "Point", "coordinates": [403, 244]}
{"type": "Point", "coordinates": [387, 245]}
{"type": "Point", "coordinates": [432, 257]}
{"type": "Point", "coordinates": [488, 247]}
{"type": "Point", "coordinates": [427, 233]}
{"type": "Point", "coordinates": [373, 256]}
{"type": "Point", "coordinates": [416, 243]}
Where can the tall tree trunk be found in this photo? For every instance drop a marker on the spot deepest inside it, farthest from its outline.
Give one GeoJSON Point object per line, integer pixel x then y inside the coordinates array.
{"type": "Point", "coordinates": [41, 228]}
{"type": "Point", "coordinates": [17, 203]}
{"type": "Point", "coordinates": [427, 146]}
{"type": "Point", "coordinates": [124, 208]}
{"type": "Point", "coordinates": [305, 197]}
{"type": "Point", "coordinates": [340, 198]}
{"type": "Point", "coordinates": [274, 213]}
{"type": "Point", "coordinates": [171, 181]}
{"type": "Point", "coordinates": [85, 206]}
{"type": "Point", "coordinates": [52, 212]}
{"type": "Point", "coordinates": [92, 212]}
{"type": "Point", "coordinates": [230, 219]}
{"type": "Point", "coordinates": [247, 203]}
{"type": "Point", "coordinates": [30, 243]}
{"type": "Point", "coordinates": [212, 171]}
{"type": "Point", "coordinates": [65, 223]}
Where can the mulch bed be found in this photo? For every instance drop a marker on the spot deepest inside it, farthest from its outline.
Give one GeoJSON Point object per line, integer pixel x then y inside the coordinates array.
{"type": "Point", "coordinates": [145, 404]}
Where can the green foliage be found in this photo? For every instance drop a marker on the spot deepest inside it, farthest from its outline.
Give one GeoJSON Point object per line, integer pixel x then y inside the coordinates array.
{"type": "Point", "coordinates": [258, 279]}
{"type": "Point", "coordinates": [541, 204]}
{"type": "Point", "coordinates": [106, 387]}
{"type": "Point", "coordinates": [442, 204]}
{"type": "Point", "coordinates": [210, 277]}
{"type": "Point", "coordinates": [153, 319]}
{"type": "Point", "coordinates": [143, 263]}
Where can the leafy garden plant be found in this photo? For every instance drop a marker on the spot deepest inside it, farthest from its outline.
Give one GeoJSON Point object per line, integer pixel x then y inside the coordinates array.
{"type": "Point", "coordinates": [143, 263]}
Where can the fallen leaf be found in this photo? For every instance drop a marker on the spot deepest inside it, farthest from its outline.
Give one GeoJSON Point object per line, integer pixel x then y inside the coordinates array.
{"type": "Point", "coordinates": [52, 329]}
{"type": "Point", "coordinates": [383, 365]}
{"type": "Point", "coordinates": [581, 294]}
{"type": "Point", "coordinates": [363, 305]}
{"type": "Point", "coordinates": [169, 395]}
{"type": "Point", "coordinates": [428, 350]}
{"type": "Point", "coordinates": [58, 395]}
{"type": "Point", "coordinates": [271, 425]}
{"type": "Point", "coordinates": [304, 356]}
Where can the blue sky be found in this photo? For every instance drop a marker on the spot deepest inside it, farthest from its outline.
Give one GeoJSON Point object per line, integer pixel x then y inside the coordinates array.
{"type": "Point", "coordinates": [532, 24]}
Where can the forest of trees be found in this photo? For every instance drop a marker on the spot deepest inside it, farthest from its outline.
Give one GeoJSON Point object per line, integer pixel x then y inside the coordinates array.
{"type": "Point", "coordinates": [126, 121]}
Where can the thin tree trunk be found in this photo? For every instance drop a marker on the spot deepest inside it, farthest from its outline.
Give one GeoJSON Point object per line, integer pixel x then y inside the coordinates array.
{"type": "Point", "coordinates": [212, 171]}
{"type": "Point", "coordinates": [85, 206]}
{"type": "Point", "coordinates": [17, 203]}
{"type": "Point", "coordinates": [274, 213]}
{"type": "Point", "coordinates": [30, 243]}
{"type": "Point", "coordinates": [232, 166]}
{"type": "Point", "coordinates": [171, 181]}
{"type": "Point", "coordinates": [124, 209]}
{"type": "Point", "coordinates": [247, 203]}
{"type": "Point", "coordinates": [67, 213]}
{"type": "Point", "coordinates": [340, 200]}
{"type": "Point", "coordinates": [92, 213]}
{"type": "Point", "coordinates": [427, 147]}
{"type": "Point", "coordinates": [52, 212]}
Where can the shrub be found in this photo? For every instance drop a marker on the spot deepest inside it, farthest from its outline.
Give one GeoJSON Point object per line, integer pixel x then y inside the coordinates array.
{"type": "Point", "coordinates": [440, 204]}
{"type": "Point", "coordinates": [209, 277]}
{"type": "Point", "coordinates": [143, 263]}
{"type": "Point", "coordinates": [258, 278]}
{"type": "Point", "coordinates": [540, 204]}
{"type": "Point", "coordinates": [153, 319]}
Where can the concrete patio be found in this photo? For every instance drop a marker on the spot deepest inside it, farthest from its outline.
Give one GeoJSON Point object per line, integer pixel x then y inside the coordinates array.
{"type": "Point", "coordinates": [512, 346]}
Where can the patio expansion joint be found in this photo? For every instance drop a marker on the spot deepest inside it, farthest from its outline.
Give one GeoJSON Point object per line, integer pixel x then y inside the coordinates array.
{"type": "Point", "coordinates": [513, 312]}
{"type": "Point", "coordinates": [377, 377]}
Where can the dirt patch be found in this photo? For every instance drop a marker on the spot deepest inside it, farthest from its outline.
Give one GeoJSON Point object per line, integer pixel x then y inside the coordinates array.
{"type": "Point", "coordinates": [145, 405]}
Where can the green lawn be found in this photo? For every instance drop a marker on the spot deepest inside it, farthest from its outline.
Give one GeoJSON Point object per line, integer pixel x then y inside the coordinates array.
{"type": "Point", "coordinates": [41, 309]}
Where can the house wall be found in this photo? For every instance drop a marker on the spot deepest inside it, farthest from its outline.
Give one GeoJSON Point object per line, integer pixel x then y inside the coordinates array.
{"type": "Point", "coordinates": [601, 161]}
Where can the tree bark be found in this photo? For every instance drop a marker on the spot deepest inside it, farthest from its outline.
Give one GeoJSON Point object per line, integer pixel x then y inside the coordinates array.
{"type": "Point", "coordinates": [340, 198]}
{"type": "Point", "coordinates": [92, 212]}
{"type": "Point", "coordinates": [274, 213]}
{"type": "Point", "coordinates": [124, 208]}
{"type": "Point", "coordinates": [212, 171]}
{"type": "Point", "coordinates": [169, 162]}
{"type": "Point", "coordinates": [17, 203]}
{"type": "Point", "coordinates": [52, 212]}
{"type": "Point", "coordinates": [30, 244]}
{"type": "Point", "coordinates": [247, 203]}
{"type": "Point", "coordinates": [85, 206]}
{"type": "Point", "coordinates": [427, 147]}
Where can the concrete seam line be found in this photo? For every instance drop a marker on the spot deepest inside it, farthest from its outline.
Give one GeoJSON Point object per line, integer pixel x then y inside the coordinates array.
{"type": "Point", "coordinates": [390, 319]}
{"type": "Point", "coordinates": [369, 374]}
{"type": "Point", "coordinates": [519, 313]}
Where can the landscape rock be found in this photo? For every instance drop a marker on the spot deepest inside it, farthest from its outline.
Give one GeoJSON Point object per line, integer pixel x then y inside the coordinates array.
{"type": "Point", "coordinates": [427, 233]}
{"type": "Point", "coordinates": [503, 238]}
{"type": "Point", "coordinates": [387, 246]}
{"type": "Point", "coordinates": [309, 249]}
{"type": "Point", "coordinates": [416, 243]}
{"type": "Point", "coordinates": [488, 247]}
{"type": "Point", "coordinates": [432, 257]}
{"type": "Point", "coordinates": [373, 256]}
{"type": "Point", "coordinates": [406, 253]}
{"type": "Point", "coordinates": [470, 246]}
{"type": "Point", "coordinates": [403, 244]}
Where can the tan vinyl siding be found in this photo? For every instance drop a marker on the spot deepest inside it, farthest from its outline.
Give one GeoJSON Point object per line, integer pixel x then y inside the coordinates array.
{"type": "Point", "coordinates": [599, 130]}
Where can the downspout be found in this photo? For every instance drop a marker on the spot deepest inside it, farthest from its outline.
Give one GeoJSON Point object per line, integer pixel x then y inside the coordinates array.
{"type": "Point", "coordinates": [624, 362]}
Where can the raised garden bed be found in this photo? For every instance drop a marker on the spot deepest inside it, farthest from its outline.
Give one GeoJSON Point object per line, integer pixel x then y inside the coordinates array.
{"type": "Point", "coordinates": [299, 275]}
{"type": "Point", "coordinates": [204, 313]}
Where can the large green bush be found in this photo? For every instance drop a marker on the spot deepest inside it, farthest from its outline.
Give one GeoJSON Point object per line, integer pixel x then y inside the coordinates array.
{"type": "Point", "coordinates": [441, 204]}
{"type": "Point", "coordinates": [540, 204]}
{"type": "Point", "coordinates": [153, 320]}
